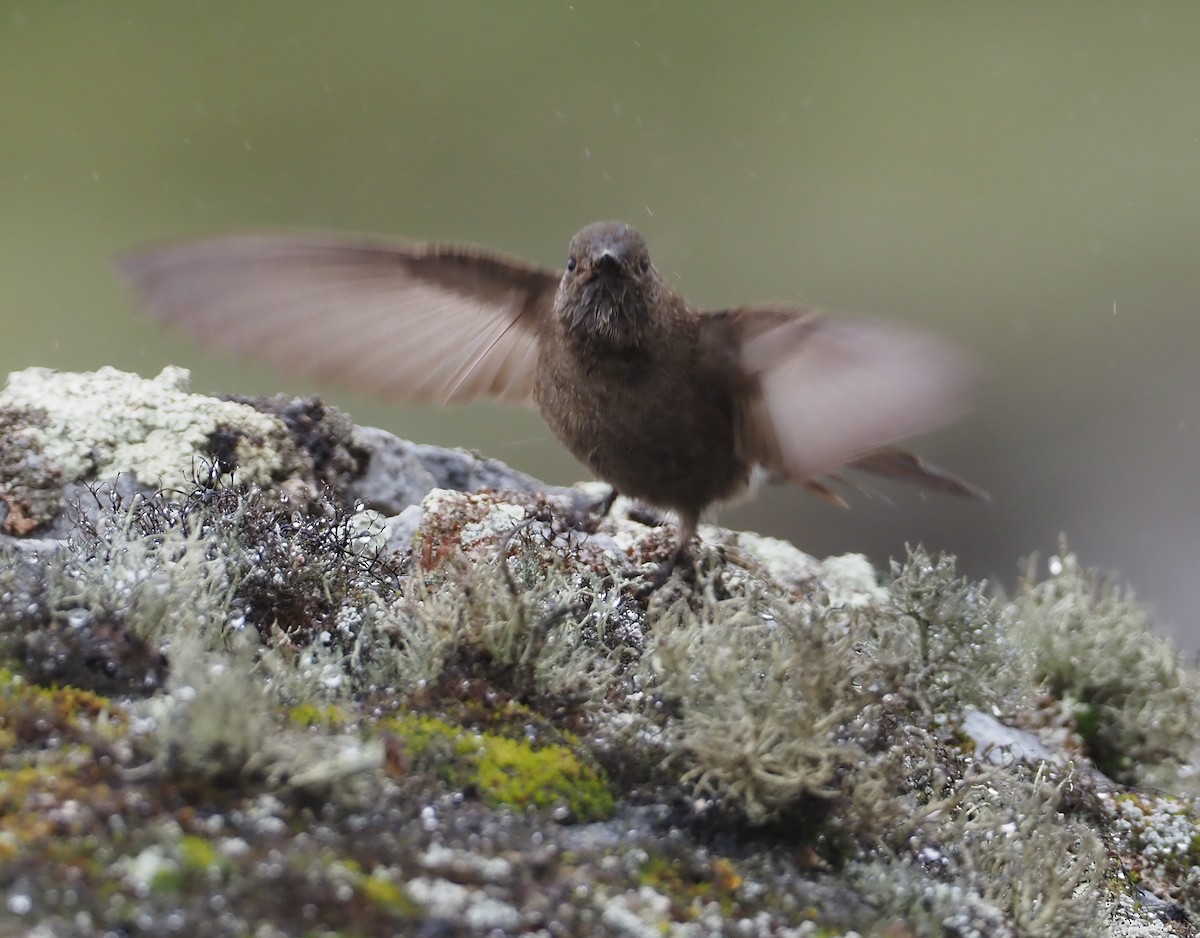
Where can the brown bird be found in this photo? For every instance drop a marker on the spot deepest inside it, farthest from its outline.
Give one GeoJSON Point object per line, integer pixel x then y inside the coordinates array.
{"type": "Point", "coordinates": [668, 404]}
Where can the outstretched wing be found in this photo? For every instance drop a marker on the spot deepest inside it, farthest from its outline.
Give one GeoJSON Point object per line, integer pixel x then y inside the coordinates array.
{"type": "Point", "coordinates": [817, 393]}
{"type": "Point", "coordinates": [416, 323]}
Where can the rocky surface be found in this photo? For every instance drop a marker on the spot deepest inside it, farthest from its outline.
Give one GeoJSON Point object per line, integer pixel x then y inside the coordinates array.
{"type": "Point", "coordinates": [265, 672]}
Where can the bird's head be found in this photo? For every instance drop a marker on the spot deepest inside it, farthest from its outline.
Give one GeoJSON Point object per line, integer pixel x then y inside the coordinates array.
{"type": "Point", "coordinates": [609, 288]}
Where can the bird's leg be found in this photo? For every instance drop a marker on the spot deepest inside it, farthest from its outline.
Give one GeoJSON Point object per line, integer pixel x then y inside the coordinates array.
{"type": "Point", "coordinates": [687, 530]}
{"type": "Point", "coordinates": [604, 506]}
{"type": "Point", "coordinates": [597, 511]}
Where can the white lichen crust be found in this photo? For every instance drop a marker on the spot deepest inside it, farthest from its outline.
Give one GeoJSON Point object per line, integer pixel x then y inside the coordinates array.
{"type": "Point", "coordinates": [100, 423]}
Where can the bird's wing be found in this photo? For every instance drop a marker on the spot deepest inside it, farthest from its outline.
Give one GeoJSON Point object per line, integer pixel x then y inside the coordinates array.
{"type": "Point", "coordinates": [899, 464]}
{"type": "Point", "coordinates": [816, 393]}
{"type": "Point", "coordinates": [416, 323]}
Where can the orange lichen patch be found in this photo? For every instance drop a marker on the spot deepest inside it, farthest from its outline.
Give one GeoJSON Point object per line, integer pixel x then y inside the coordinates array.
{"type": "Point", "coordinates": [19, 521]}
{"type": "Point", "coordinates": [448, 517]}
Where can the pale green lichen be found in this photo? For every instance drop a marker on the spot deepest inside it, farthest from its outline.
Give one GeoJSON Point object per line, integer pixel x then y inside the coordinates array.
{"type": "Point", "coordinates": [960, 652]}
{"type": "Point", "coordinates": [769, 698]}
{"type": "Point", "coordinates": [97, 424]}
{"type": "Point", "coordinates": [239, 557]}
{"type": "Point", "coordinates": [527, 616]}
{"type": "Point", "coordinates": [999, 857]}
{"type": "Point", "coordinates": [1011, 840]}
{"type": "Point", "coordinates": [120, 571]}
{"type": "Point", "coordinates": [775, 701]}
{"type": "Point", "coordinates": [1137, 704]}
{"type": "Point", "coordinates": [220, 724]}
{"type": "Point", "coordinates": [214, 724]}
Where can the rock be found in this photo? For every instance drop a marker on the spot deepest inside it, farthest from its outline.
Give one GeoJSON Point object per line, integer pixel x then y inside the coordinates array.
{"type": "Point", "coordinates": [425, 692]}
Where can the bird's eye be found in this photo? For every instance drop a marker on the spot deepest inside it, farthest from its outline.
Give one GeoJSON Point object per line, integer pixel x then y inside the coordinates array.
{"type": "Point", "coordinates": [644, 263]}
{"type": "Point", "coordinates": [571, 264]}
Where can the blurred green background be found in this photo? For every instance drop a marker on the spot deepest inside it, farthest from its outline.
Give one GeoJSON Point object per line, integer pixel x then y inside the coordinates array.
{"type": "Point", "coordinates": [1021, 177]}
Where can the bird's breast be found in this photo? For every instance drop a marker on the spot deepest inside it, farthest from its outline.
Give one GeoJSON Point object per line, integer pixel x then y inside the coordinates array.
{"type": "Point", "coordinates": [644, 421]}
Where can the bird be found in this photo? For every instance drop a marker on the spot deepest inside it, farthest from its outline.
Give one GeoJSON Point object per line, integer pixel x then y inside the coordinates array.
{"type": "Point", "coordinates": [672, 405]}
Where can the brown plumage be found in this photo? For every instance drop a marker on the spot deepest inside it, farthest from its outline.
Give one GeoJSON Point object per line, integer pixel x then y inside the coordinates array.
{"type": "Point", "coordinates": [667, 403]}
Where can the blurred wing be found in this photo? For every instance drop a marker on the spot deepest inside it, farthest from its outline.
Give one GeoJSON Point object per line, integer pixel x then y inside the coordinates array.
{"type": "Point", "coordinates": [416, 323]}
{"type": "Point", "coordinates": [904, 466]}
{"type": "Point", "coordinates": [819, 393]}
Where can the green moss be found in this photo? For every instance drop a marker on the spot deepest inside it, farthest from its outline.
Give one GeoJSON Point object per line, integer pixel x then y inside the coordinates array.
{"type": "Point", "coordinates": [75, 704]}
{"type": "Point", "coordinates": [197, 854]}
{"type": "Point", "coordinates": [51, 739]}
{"type": "Point", "coordinates": [54, 719]}
{"type": "Point", "coordinates": [516, 774]}
{"type": "Point", "coordinates": [313, 714]}
{"type": "Point", "coordinates": [388, 896]}
{"type": "Point", "coordinates": [19, 824]}
{"type": "Point", "coordinates": [506, 771]}
{"type": "Point", "coordinates": [67, 703]}
{"type": "Point", "coordinates": [192, 863]}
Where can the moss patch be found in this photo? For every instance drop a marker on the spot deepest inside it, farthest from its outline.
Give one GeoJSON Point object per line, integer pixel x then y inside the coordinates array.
{"type": "Point", "coordinates": [506, 771]}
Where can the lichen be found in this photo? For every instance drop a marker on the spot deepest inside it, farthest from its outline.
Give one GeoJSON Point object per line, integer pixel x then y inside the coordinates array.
{"type": "Point", "coordinates": [30, 482]}
{"type": "Point", "coordinates": [242, 560]}
{"type": "Point", "coordinates": [513, 609]}
{"type": "Point", "coordinates": [768, 742]}
{"type": "Point", "coordinates": [1000, 857]}
{"type": "Point", "coordinates": [98, 424]}
{"type": "Point", "coordinates": [1160, 834]}
{"type": "Point", "coordinates": [961, 654]}
{"type": "Point", "coordinates": [771, 701]}
{"type": "Point", "coordinates": [1136, 703]}
{"type": "Point", "coordinates": [766, 695]}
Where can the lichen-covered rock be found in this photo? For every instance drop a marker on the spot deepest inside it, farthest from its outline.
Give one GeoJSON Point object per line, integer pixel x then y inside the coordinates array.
{"type": "Point", "coordinates": [92, 426]}
{"type": "Point", "coordinates": [443, 703]}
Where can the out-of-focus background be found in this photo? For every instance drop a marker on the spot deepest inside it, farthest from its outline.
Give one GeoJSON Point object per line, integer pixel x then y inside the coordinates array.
{"type": "Point", "coordinates": [1022, 178]}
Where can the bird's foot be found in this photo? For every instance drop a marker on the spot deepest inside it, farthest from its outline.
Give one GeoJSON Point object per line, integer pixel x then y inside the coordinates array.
{"type": "Point", "coordinates": [601, 508]}
{"type": "Point", "coordinates": [588, 514]}
{"type": "Point", "coordinates": [656, 580]}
